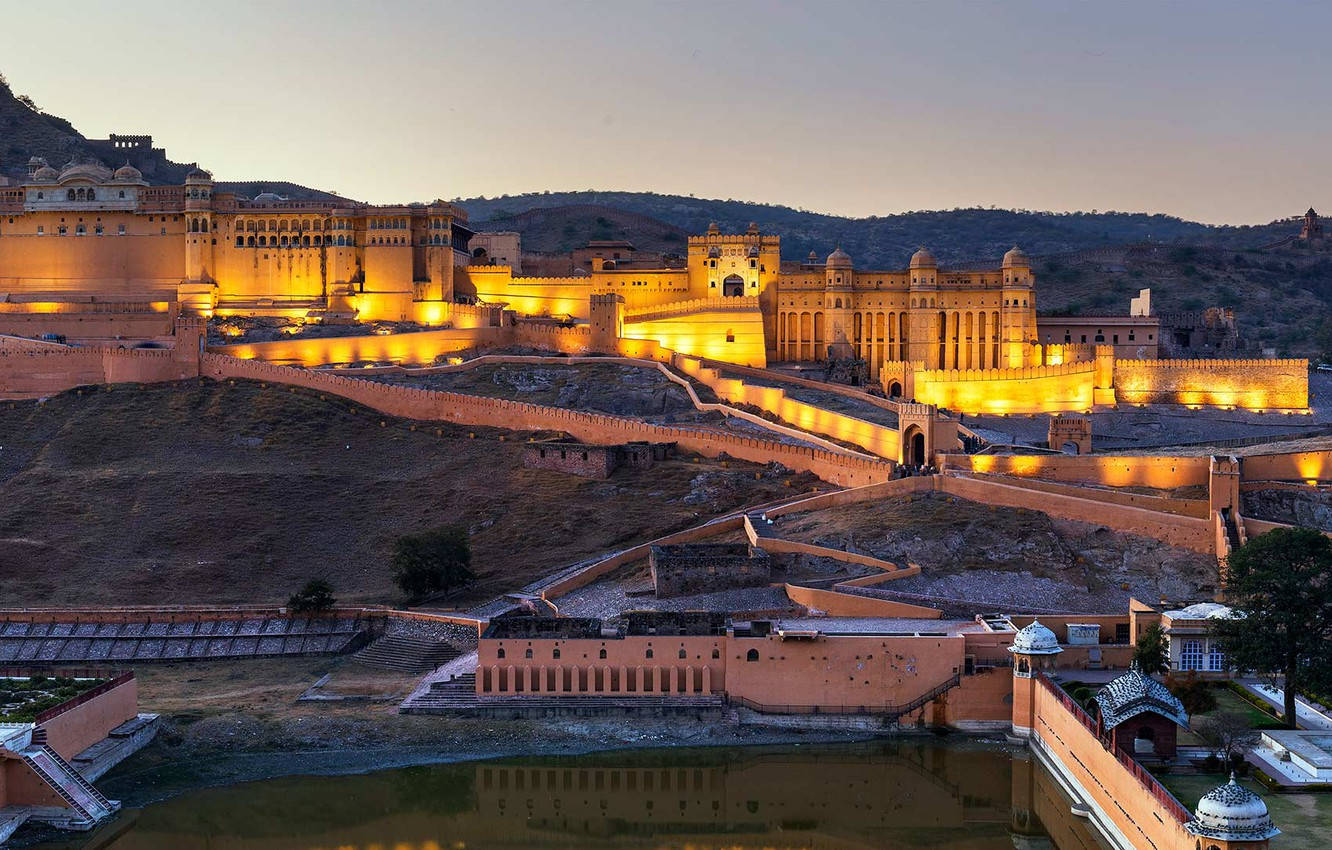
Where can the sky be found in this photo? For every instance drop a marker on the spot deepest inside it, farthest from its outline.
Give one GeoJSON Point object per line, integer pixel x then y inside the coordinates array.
{"type": "Point", "coordinates": [1213, 111]}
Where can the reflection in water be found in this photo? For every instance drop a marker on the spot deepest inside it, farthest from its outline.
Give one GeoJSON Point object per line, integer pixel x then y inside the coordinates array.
{"type": "Point", "coordinates": [901, 794]}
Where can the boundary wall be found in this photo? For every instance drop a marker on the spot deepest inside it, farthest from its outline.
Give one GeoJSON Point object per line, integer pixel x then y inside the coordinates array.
{"type": "Point", "coordinates": [1247, 384]}
{"type": "Point", "coordinates": [1196, 508]}
{"type": "Point", "coordinates": [33, 372]}
{"type": "Point", "coordinates": [405, 402]}
{"type": "Point", "coordinates": [1157, 472]}
{"type": "Point", "coordinates": [1184, 531]}
{"type": "Point", "coordinates": [1027, 389]}
{"type": "Point", "coordinates": [1126, 801]}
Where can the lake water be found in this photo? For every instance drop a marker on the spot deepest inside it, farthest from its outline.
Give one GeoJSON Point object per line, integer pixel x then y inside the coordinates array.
{"type": "Point", "coordinates": [907, 793]}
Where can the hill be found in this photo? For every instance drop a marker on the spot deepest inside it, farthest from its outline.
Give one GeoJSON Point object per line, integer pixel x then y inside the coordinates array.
{"type": "Point", "coordinates": [200, 492]}
{"type": "Point", "coordinates": [955, 236]}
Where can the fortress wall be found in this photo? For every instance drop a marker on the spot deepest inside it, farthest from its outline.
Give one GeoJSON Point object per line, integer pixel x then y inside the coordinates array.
{"type": "Point", "coordinates": [836, 604]}
{"type": "Point", "coordinates": [726, 335]}
{"type": "Point", "coordinates": [1137, 806]}
{"type": "Point", "coordinates": [420, 347]}
{"type": "Point", "coordinates": [1182, 531]}
{"type": "Point", "coordinates": [82, 326]}
{"type": "Point", "coordinates": [529, 296]}
{"type": "Point", "coordinates": [1162, 473]}
{"type": "Point", "coordinates": [34, 373]}
{"type": "Point", "coordinates": [281, 273]}
{"type": "Point", "coordinates": [1029, 389]}
{"type": "Point", "coordinates": [107, 265]}
{"type": "Point", "coordinates": [1248, 384]}
{"type": "Point", "coordinates": [1196, 508]}
{"type": "Point", "coordinates": [877, 439]}
{"type": "Point", "coordinates": [764, 374]}
{"type": "Point", "coordinates": [982, 700]}
{"type": "Point", "coordinates": [1287, 466]}
{"type": "Point", "coordinates": [575, 340]}
{"type": "Point", "coordinates": [412, 403]}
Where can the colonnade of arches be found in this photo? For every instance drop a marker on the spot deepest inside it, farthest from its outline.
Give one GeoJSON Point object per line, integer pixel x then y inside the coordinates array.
{"type": "Point", "coordinates": [596, 679]}
{"type": "Point", "coordinates": [964, 339]}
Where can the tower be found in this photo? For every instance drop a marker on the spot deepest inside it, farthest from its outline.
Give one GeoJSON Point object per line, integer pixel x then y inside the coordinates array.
{"type": "Point", "coordinates": [199, 226]}
{"type": "Point", "coordinates": [839, 275]}
{"type": "Point", "coordinates": [1017, 317]}
{"type": "Point", "coordinates": [926, 327]}
{"type": "Point", "coordinates": [1312, 228]}
{"type": "Point", "coordinates": [1034, 649]}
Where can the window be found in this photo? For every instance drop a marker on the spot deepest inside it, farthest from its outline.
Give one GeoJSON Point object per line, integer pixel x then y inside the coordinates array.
{"type": "Point", "coordinates": [752, 655]}
{"type": "Point", "coordinates": [122, 194]}
{"type": "Point", "coordinates": [716, 653]}
{"type": "Point", "coordinates": [649, 653]}
{"type": "Point", "coordinates": [1191, 655]}
{"type": "Point", "coordinates": [500, 652]}
{"type": "Point", "coordinates": [602, 654]}
{"type": "Point", "coordinates": [683, 654]}
{"type": "Point", "coordinates": [1216, 659]}
{"type": "Point", "coordinates": [120, 230]}
{"type": "Point", "coordinates": [528, 653]}
{"type": "Point", "coordinates": [556, 653]}
{"type": "Point", "coordinates": [41, 231]}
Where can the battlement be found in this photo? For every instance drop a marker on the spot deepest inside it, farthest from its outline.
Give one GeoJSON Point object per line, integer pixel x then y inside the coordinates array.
{"type": "Point", "coordinates": [1019, 373]}
{"type": "Point", "coordinates": [1207, 364]}
{"type": "Point", "coordinates": [694, 305]}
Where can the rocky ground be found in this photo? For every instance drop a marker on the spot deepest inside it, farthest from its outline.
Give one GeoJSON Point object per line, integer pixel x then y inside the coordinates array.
{"type": "Point", "coordinates": [1008, 557]}
{"type": "Point", "coordinates": [1310, 507]}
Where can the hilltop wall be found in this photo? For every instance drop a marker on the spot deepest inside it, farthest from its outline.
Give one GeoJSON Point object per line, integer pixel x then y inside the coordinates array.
{"type": "Point", "coordinates": [1162, 473]}
{"type": "Point", "coordinates": [1067, 386]}
{"type": "Point", "coordinates": [411, 403]}
{"type": "Point", "coordinates": [1247, 384]}
{"type": "Point", "coordinates": [725, 329]}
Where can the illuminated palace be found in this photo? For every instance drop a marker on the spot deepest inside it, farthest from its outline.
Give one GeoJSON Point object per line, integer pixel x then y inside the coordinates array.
{"type": "Point", "coordinates": [95, 255]}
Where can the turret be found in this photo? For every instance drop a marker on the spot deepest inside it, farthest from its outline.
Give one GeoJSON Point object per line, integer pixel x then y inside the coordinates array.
{"type": "Point", "coordinates": [1231, 817]}
{"type": "Point", "coordinates": [1034, 649]}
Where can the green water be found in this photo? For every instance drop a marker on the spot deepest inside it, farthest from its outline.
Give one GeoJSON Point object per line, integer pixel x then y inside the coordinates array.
{"type": "Point", "coordinates": [915, 793]}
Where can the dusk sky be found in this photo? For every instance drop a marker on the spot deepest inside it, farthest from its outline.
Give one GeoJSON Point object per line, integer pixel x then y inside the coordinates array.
{"type": "Point", "coordinates": [1211, 111]}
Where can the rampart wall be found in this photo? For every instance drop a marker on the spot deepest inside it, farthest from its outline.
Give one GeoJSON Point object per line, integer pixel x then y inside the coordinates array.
{"type": "Point", "coordinates": [1162, 473]}
{"type": "Point", "coordinates": [1196, 508]}
{"type": "Point", "coordinates": [878, 439]}
{"type": "Point", "coordinates": [1183, 531]}
{"type": "Point", "coordinates": [719, 332]}
{"type": "Point", "coordinates": [420, 347]}
{"type": "Point", "coordinates": [1247, 384]}
{"type": "Point", "coordinates": [1137, 806]}
{"type": "Point", "coordinates": [34, 372]}
{"type": "Point", "coordinates": [1287, 466]}
{"type": "Point", "coordinates": [412, 403]}
{"type": "Point", "coordinates": [1067, 386]}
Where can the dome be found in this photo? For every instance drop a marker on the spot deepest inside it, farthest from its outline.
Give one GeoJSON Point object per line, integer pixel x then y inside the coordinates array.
{"type": "Point", "coordinates": [88, 170]}
{"type": "Point", "coordinates": [1035, 639]}
{"type": "Point", "coordinates": [198, 175]}
{"type": "Point", "coordinates": [1232, 812]}
{"type": "Point", "coordinates": [922, 258]}
{"type": "Point", "coordinates": [1016, 257]}
{"type": "Point", "coordinates": [127, 173]}
{"type": "Point", "coordinates": [838, 259]}
{"type": "Point", "coordinates": [46, 174]}
{"type": "Point", "coordinates": [36, 161]}
{"type": "Point", "coordinates": [268, 198]}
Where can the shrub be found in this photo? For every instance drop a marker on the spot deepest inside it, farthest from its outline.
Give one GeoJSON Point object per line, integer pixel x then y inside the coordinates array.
{"type": "Point", "coordinates": [432, 562]}
{"type": "Point", "coordinates": [317, 595]}
{"type": "Point", "coordinates": [1195, 694]}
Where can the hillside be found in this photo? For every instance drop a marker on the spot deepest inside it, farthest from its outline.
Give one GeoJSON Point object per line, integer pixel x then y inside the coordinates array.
{"type": "Point", "coordinates": [204, 492]}
{"type": "Point", "coordinates": [955, 236]}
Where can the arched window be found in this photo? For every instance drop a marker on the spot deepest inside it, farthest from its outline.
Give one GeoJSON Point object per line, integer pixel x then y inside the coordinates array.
{"type": "Point", "coordinates": [69, 195]}
{"type": "Point", "coordinates": [649, 653]}
{"type": "Point", "coordinates": [556, 653]}
{"type": "Point", "coordinates": [499, 653]}
{"type": "Point", "coordinates": [528, 653]}
{"type": "Point", "coordinates": [122, 194]}
{"type": "Point", "coordinates": [716, 653]}
{"type": "Point", "coordinates": [752, 655]}
{"type": "Point", "coordinates": [683, 654]}
{"type": "Point", "coordinates": [602, 653]}
{"type": "Point", "coordinates": [240, 241]}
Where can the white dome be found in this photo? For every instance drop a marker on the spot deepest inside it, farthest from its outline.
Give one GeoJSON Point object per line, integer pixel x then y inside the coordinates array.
{"type": "Point", "coordinates": [126, 173]}
{"type": "Point", "coordinates": [1035, 639]}
{"type": "Point", "coordinates": [45, 174]}
{"type": "Point", "coordinates": [1232, 812]}
{"type": "Point", "coordinates": [922, 258]}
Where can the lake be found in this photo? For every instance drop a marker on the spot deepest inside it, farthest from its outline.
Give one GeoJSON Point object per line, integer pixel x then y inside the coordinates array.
{"type": "Point", "coordinates": [904, 793]}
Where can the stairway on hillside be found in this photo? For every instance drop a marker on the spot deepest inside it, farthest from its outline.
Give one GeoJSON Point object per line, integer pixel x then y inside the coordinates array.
{"type": "Point", "coordinates": [406, 653]}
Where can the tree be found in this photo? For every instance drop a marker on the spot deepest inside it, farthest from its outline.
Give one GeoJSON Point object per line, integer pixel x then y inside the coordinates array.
{"type": "Point", "coordinates": [317, 595]}
{"type": "Point", "coordinates": [1280, 587]}
{"type": "Point", "coordinates": [1152, 651]}
{"type": "Point", "coordinates": [432, 562]}
{"type": "Point", "coordinates": [1227, 733]}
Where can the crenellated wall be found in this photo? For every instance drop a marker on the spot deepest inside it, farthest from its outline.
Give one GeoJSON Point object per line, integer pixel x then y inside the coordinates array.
{"type": "Point", "coordinates": [844, 469]}
{"type": "Point", "coordinates": [1162, 473]}
{"type": "Point", "coordinates": [1246, 384]}
{"type": "Point", "coordinates": [725, 329]}
{"type": "Point", "coordinates": [1067, 386]}
{"type": "Point", "coordinates": [420, 347]}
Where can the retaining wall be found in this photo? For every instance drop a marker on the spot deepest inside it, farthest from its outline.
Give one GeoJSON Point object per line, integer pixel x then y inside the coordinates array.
{"type": "Point", "coordinates": [1163, 473]}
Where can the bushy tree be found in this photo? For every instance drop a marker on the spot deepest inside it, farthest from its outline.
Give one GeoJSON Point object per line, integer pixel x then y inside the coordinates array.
{"type": "Point", "coordinates": [1280, 586]}
{"type": "Point", "coordinates": [317, 595]}
{"type": "Point", "coordinates": [1227, 733]}
{"type": "Point", "coordinates": [432, 562]}
{"type": "Point", "coordinates": [1152, 651]}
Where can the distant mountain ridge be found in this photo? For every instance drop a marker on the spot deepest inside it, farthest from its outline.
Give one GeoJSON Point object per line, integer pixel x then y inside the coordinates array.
{"type": "Point", "coordinates": [954, 236]}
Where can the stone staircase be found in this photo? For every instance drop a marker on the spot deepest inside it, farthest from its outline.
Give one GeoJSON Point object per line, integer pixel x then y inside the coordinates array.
{"type": "Point", "coordinates": [86, 803]}
{"type": "Point", "coordinates": [458, 696]}
{"type": "Point", "coordinates": [406, 653]}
